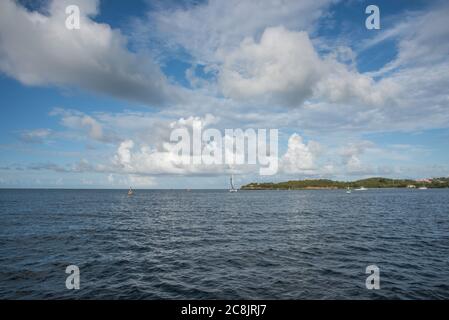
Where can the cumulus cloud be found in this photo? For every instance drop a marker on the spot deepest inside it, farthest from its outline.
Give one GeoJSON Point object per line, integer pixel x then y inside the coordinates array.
{"type": "Point", "coordinates": [39, 50]}
{"type": "Point", "coordinates": [300, 157]}
{"type": "Point", "coordinates": [283, 68]}
{"type": "Point", "coordinates": [146, 159]}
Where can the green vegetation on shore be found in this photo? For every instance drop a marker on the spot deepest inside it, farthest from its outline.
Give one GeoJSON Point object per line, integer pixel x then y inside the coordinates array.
{"type": "Point", "coordinates": [367, 183]}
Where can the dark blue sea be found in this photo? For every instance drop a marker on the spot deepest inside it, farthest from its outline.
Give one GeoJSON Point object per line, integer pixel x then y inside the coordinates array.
{"type": "Point", "coordinates": [175, 244]}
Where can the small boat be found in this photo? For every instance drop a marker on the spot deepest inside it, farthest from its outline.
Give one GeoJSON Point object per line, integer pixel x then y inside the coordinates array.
{"type": "Point", "coordinates": [361, 189]}
{"type": "Point", "coordinates": [130, 192]}
{"type": "Point", "coordinates": [348, 190]}
{"type": "Point", "coordinates": [422, 188]}
{"type": "Point", "coordinates": [233, 189]}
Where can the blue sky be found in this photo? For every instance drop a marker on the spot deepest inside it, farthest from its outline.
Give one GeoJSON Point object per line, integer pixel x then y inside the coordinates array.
{"type": "Point", "coordinates": [94, 107]}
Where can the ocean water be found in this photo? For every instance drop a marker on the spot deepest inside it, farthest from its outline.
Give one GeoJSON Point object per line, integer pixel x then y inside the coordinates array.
{"type": "Point", "coordinates": [170, 244]}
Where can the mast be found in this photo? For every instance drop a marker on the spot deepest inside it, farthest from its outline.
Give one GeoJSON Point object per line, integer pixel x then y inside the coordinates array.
{"type": "Point", "coordinates": [232, 184]}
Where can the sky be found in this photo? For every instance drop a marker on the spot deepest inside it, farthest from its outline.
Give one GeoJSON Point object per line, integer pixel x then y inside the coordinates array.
{"type": "Point", "coordinates": [94, 107]}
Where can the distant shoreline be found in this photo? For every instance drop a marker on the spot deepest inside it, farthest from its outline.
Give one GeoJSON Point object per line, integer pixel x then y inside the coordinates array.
{"type": "Point", "coordinates": [370, 183]}
{"type": "Point", "coordinates": [307, 184]}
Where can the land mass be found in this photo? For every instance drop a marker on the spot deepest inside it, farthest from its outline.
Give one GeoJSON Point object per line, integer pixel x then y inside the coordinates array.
{"type": "Point", "coordinates": [311, 184]}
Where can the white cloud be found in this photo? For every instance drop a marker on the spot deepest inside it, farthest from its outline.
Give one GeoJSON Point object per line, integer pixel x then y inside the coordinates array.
{"type": "Point", "coordinates": [341, 86]}
{"type": "Point", "coordinates": [38, 49]}
{"type": "Point", "coordinates": [146, 159]}
{"type": "Point", "coordinates": [123, 156]}
{"type": "Point", "coordinates": [283, 68]}
{"type": "Point", "coordinates": [300, 157]}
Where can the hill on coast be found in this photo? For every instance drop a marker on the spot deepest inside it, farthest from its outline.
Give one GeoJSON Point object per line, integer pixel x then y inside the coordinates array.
{"type": "Point", "coordinates": [331, 184]}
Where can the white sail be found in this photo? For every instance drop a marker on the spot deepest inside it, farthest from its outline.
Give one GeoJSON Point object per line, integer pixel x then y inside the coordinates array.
{"type": "Point", "coordinates": [233, 189]}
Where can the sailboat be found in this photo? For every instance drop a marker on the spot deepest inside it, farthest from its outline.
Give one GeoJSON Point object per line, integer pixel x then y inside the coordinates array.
{"type": "Point", "coordinates": [130, 192]}
{"type": "Point", "coordinates": [233, 189]}
{"type": "Point", "coordinates": [348, 190]}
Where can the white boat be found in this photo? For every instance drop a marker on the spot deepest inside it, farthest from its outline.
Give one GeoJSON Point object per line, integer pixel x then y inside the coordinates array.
{"type": "Point", "coordinates": [422, 188]}
{"type": "Point", "coordinates": [233, 189]}
{"type": "Point", "coordinates": [130, 192]}
{"type": "Point", "coordinates": [361, 189]}
{"type": "Point", "coordinates": [348, 190]}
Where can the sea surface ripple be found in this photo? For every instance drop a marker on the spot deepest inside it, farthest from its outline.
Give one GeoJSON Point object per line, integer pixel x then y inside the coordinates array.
{"type": "Point", "coordinates": [212, 244]}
